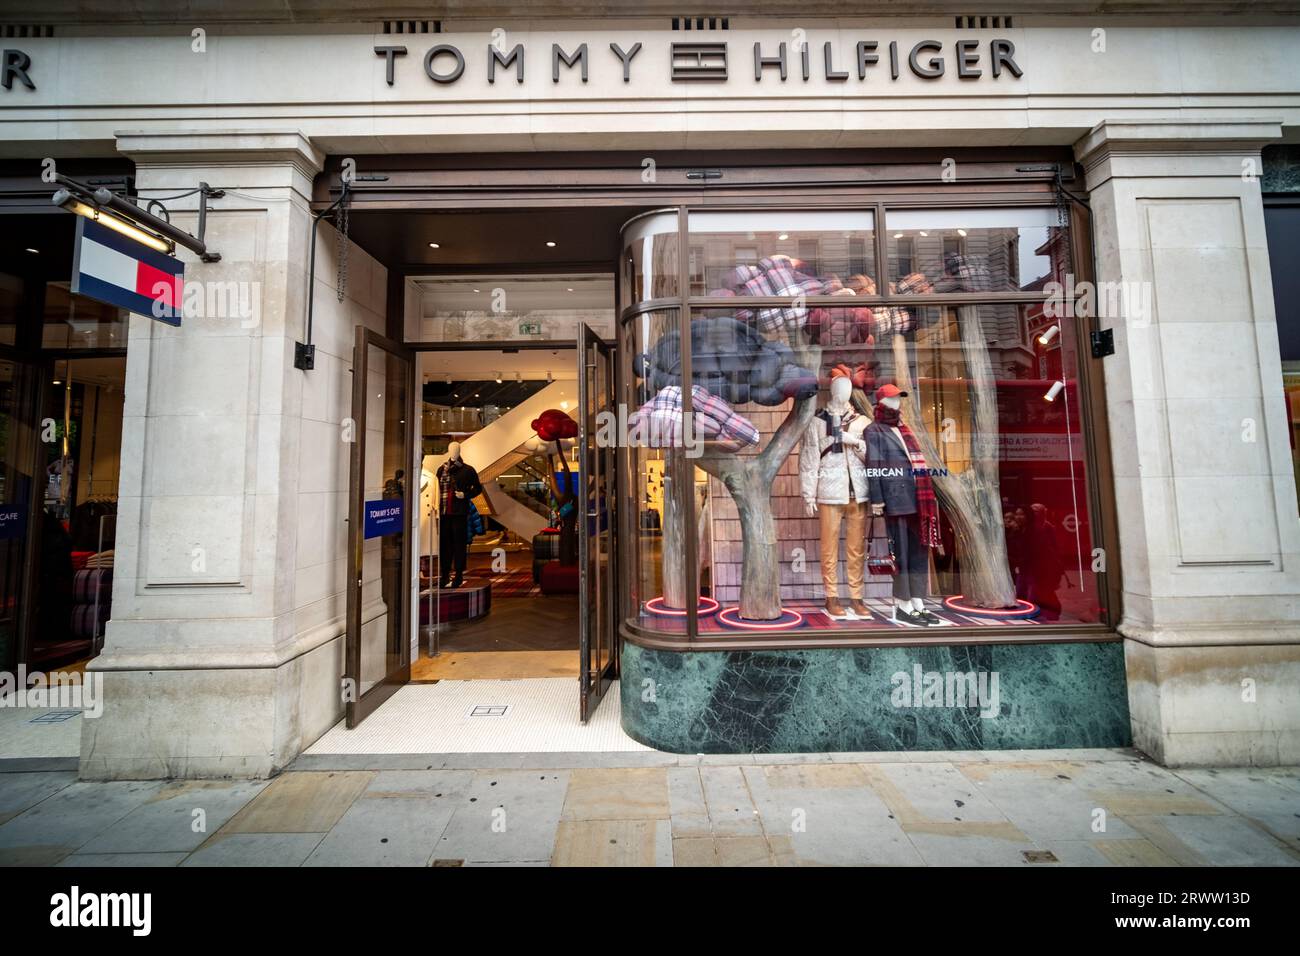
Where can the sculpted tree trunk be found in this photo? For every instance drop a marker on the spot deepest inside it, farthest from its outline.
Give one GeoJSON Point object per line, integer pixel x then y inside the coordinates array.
{"type": "Point", "coordinates": [971, 500]}
{"type": "Point", "coordinates": [749, 478]}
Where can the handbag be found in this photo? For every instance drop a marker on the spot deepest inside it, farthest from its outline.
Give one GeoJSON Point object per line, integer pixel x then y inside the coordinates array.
{"type": "Point", "coordinates": [880, 554]}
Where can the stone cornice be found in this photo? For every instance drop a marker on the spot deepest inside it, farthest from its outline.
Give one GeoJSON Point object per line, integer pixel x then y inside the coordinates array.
{"type": "Point", "coordinates": [240, 147]}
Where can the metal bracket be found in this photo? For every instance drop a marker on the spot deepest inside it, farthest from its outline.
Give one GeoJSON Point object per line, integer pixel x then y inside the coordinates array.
{"type": "Point", "coordinates": [1103, 342]}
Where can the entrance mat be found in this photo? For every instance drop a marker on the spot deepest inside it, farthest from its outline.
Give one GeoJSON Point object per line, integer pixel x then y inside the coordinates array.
{"type": "Point", "coordinates": [506, 583]}
{"type": "Point", "coordinates": [536, 715]}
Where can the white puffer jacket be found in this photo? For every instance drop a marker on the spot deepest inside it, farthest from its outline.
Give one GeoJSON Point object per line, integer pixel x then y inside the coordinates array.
{"type": "Point", "coordinates": [826, 479]}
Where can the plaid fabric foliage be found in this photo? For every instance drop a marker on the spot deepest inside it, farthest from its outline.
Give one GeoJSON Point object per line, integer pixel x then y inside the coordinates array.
{"type": "Point", "coordinates": [658, 423]}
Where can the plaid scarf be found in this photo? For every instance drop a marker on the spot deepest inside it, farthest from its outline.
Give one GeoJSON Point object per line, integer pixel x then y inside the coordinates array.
{"type": "Point", "coordinates": [927, 505]}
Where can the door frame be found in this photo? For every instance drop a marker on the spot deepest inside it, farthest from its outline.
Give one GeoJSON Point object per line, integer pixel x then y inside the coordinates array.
{"type": "Point", "coordinates": [361, 705]}
{"type": "Point", "coordinates": [598, 486]}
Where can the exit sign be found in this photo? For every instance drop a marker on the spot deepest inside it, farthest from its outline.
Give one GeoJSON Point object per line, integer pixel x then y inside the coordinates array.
{"type": "Point", "coordinates": [530, 328]}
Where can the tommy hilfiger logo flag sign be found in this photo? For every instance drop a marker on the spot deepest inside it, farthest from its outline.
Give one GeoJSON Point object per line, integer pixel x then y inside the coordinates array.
{"type": "Point", "coordinates": [113, 268]}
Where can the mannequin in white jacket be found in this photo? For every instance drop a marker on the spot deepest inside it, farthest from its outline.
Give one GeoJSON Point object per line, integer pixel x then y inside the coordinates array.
{"type": "Point", "coordinates": [833, 482]}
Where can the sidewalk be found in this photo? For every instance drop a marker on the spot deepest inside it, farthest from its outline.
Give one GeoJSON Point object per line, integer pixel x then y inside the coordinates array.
{"type": "Point", "coordinates": [1000, 808]}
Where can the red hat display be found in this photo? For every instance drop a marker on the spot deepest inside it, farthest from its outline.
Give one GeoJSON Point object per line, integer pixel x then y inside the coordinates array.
{"type": "Point", "coordinates": [553, 424]}
{"type": "Point", "coordinates": [889, 391]}
{"type": "Point", "coordinates": [858, 376]}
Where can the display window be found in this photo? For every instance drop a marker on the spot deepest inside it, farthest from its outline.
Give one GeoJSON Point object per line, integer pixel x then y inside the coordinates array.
{"type": "Point", "coordinates": [855, 454]}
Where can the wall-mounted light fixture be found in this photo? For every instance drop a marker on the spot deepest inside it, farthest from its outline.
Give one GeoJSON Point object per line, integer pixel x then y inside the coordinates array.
{"type": "Point", "coordinates": [1049, 333]}
{"type": "Point", "coordinates": [1056, 389]}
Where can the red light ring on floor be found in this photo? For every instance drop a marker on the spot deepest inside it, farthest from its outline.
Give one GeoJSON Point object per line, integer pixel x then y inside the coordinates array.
{"type": "Point", "coordinates": [656, 606]}
{"type": "Point", "coordinates": [1023, 609]}
{"type": "Point", "coordinates": [788, 621]}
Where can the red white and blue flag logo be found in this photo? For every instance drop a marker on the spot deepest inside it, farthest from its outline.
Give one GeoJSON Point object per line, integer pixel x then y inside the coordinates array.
{"type": "Point", "coordinates": [113, 268]}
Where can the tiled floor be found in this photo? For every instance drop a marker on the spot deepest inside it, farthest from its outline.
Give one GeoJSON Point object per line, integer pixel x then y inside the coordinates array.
{"type": "Point", "coordinates": [39, 732]}
{"type": "Point", "coordinates": [1060, 808]}
{"type": "Point", "coordinates": [541, 716]}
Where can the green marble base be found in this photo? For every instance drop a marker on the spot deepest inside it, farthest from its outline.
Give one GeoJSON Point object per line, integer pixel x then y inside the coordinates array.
{"type": "Point", "coordinates": [1025, 696]}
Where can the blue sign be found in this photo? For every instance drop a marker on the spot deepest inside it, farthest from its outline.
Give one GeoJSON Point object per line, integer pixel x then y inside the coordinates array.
{"type": "Point", "coordinates": [383, 517]}
{"type": "Point", "coordinates": [12, 522]}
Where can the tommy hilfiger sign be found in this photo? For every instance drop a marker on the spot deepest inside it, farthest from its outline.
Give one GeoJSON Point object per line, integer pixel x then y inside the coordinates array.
{"type": "Point", "coordinates": [926, 59]}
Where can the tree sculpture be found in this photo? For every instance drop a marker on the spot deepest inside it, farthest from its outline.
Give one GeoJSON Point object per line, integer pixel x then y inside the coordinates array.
{"type": "Point", "coordinates": [553, 427]}
{"type": "Point", "coordinates": [971, 499]}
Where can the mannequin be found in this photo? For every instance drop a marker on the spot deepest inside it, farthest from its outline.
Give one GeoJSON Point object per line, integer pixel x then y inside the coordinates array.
{"type": "Point", "coordinates": [900, 490]}
{"type": "Point", "coordinates": [833, 481]}
{"type": "Point", "coordinates": [458, 484]}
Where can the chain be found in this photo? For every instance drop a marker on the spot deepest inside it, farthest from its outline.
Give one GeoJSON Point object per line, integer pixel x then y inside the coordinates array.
{"type": "Point", "coordinates": [341, 223]}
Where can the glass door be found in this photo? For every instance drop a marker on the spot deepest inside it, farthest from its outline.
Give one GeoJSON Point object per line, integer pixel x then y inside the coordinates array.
{"type": "Point", "coordinates": [597, 636]}
{"type": "Point", "coordinates": [22, 389]}
{"type": "Point", "coordinates": [378, 651]}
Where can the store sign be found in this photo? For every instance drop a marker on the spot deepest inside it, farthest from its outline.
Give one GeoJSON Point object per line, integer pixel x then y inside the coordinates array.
{"type": "Point", "coordinates": [383, 517]}
{"type": "Point", "coordinates": [12, 522]}
{"type": "Point", "coordinates": [968, 59]}
{"type": "Point", "coordinates": [115, 269]}
{"type": "Point", "coordinates": [15, 65]}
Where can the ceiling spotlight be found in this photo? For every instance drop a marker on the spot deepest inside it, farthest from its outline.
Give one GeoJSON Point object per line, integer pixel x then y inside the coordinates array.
{"type": "Point", "coordinates": [550, 244]}
{"type": "Point", "coordinates": [1052, 392]}
{"type": "Point", "coordinates": [498, 378]}
{"type": "Point", "coordinates": [898, 235]}
{"type": "Point", "coordinates": [961, 232]}
{"type": "Point", "coordinates": [1050, 333]}
{"type": "Point", "coordinates": [923, 233]}
{"type": "Point", "coordinates": [784, 236]}
{"type": "Point", "coordinates": [434, 245]}
{"type": "Point", "coordinates": [564, 406]}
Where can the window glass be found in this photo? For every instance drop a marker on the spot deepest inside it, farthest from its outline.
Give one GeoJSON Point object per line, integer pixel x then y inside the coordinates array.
{"type": "Point", "coordinates": [650, 257]}
{"type": "Point", "coordinates": [975, 250]}
{"type": "Point", "coordinates": [729, 249]}
{"type": "Point", "coordinates": [521, 308]}
{"type": "Point", "coordinates": [870, 468]}
{"type": "Point", "coordinates": [77, 322]}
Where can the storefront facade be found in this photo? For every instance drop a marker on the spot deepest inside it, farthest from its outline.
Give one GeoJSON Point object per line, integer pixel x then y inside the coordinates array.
{"type": "Point", "coordinates": [1119, 551]}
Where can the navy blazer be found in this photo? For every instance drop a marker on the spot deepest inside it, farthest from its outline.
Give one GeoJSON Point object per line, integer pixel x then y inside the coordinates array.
{"type": "Point", "coordinates": [889, 471]}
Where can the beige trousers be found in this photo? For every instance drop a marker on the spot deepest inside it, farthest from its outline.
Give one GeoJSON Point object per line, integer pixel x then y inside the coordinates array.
{"type": "Point", "coordinates": [853, 515]}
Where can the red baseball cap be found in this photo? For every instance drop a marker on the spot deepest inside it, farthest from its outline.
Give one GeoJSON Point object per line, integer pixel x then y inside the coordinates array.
{"type": "Point", "coordinates": [889, 391]}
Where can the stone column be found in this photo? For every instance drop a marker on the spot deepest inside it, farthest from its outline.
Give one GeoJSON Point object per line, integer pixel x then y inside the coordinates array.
{"type": "Point", "coordinates": [1209, 538]}
{"type": "Point", "coordinates": [224, 652]}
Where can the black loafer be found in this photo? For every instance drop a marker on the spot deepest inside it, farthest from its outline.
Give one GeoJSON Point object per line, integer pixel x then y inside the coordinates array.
{"type": "Point", "coordinates": [929, 617]}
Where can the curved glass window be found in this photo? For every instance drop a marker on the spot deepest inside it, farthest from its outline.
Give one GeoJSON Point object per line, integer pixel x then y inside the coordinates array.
{"type": "Point", "coordinates": [891, 467]}
{"type": "Point", "coordinates": [650, 257]}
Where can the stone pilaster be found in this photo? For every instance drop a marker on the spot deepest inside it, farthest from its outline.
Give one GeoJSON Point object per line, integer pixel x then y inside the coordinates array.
{"type": "Point", "coordinates": [1209, 537]}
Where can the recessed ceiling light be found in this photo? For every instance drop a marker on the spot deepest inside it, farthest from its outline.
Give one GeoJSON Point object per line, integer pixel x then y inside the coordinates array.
{"type": "Point", "coordinates": [784, 235]}
{"type": "Point", "coordinates": [570, 288]}
{"type": "Point", "coordinates": [961, 232]}
{"type": "Point", "coordinates": [550, 244]}
{"type": "Point", "coordinates": [898, 235]}
{"type": "Point", "coordinates": [35, 252]}
{"type": "Point", "coordinates": [434, 245]}
{"type": "Point", "coordinates": [476, 290]}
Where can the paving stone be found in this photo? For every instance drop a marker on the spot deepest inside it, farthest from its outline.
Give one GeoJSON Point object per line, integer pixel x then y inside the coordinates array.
{"type": "Point", "coordinates": [76, 814]}
{"type": "Point", "coordinates": [396, 821]}
{"type": "Point", "coordinates": [938, 799]}
{"type": "Point", "coordinates": [22, 791]}
{"type": "Point", "coordinates": [255, 849]}
{"type": "Point", "coordinates": [1045, 803]}
{"type": "Point", "coordinates": [532, 801]}
{"type": "Point", "coordinates": [599, 842]}
{"type": "Point", "coordinates": [1250, 791]}
{"type": "Point", "coordinates": [970, 850]}
{"type": "Point", "coordinates": [694, 851]}
{"type": "Point", "coordinates": [1229, 841]}
{"type": "Point", "coordinates": [123, 859]}
{"type": "Point", "coordinates": [167, 821]}
{"type": "Point", "coordinates": [842, 823]}
{"type": "Point", "coordinates": [639, 793]}
{"type": "Point", "coordinates": [731, 809]}
{"type": "Point", "coordinates": [310, 802]}
{"type": "Point", "coordinates": [743, 851]}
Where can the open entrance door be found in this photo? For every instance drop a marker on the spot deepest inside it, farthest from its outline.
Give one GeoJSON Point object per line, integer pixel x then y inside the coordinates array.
{"type": "Point", "coordinates": [597, 634]}
{"type": "Point", "coordinates": [378, 658]}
